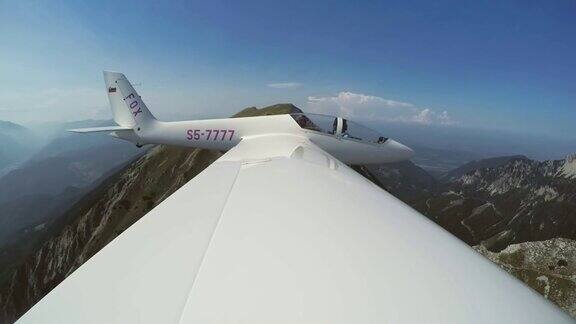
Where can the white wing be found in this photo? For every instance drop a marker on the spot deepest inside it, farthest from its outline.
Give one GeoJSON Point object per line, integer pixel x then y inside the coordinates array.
{"type": "Point", "coordinates": [278, 231]}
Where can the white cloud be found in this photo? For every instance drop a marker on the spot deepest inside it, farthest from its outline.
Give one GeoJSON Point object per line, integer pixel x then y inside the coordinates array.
{"type": "Point", "coordinates": [284, 85]}
{"type": "Point", "coordinates": [445, 119]}
{"type": "Point", "coordinates": [429, 117]}
{"type": "Point", "coordinates": [356, 105]}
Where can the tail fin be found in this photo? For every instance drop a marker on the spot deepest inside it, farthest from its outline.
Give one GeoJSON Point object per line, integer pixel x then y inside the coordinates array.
{"type": "Point", "coordinates": [127, 106]}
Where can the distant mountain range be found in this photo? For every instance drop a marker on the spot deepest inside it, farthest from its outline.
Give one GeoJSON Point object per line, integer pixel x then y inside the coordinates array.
{"type": "Point", "coordinates": [479, 164]}
{"type": "Point", "coordinates": [17, 143]}
{"type": "Point", "coordinates": [494, 204]}
{"type": "Point", "coordinates": [473, 144]}
{"type": "Point", "coordinates": [407, 181]}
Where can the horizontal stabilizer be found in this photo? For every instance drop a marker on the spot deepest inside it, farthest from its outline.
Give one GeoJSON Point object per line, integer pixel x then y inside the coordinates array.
{"type": "Point", "coordinates": [100, 129]}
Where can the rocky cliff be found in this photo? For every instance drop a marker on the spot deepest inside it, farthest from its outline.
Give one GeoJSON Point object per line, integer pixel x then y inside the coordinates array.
{"type": "Point", "coordinates": [548, 266]}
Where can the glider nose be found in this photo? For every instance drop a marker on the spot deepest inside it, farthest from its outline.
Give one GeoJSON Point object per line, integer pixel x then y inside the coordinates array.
{"type": "Point", "coordinates": [400, 151]}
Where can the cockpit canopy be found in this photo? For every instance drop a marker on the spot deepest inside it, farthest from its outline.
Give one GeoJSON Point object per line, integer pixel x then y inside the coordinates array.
{"type": "Point", "coordinates": [338, 127]}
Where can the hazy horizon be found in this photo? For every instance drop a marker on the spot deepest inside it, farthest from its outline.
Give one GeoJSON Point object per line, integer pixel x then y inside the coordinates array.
{"type": "Point", "coordinates": [477, 142]}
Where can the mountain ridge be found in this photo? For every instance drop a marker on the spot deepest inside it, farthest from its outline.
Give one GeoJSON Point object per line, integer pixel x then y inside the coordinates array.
{"type": "Point", "coordinates": [479, 164]}
{"type": "Point", "coordinates": [18, 142]}
{"type": "Point", "coordinates": [522, 200]}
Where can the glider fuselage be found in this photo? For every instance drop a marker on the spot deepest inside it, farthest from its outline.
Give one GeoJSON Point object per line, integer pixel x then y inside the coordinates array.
{"type": "Point", "coordinates": [223, 134]}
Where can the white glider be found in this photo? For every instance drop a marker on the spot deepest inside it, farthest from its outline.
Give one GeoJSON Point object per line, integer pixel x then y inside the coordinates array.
{"type": "Point", "coordinates": [281, 230]}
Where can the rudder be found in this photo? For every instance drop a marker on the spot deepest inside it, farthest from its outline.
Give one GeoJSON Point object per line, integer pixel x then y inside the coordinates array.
{"type": "Point", "coordinates": [127, 106]}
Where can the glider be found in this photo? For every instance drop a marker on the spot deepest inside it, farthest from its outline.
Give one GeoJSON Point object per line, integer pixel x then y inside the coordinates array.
{"type": "Point", "coordinates": [280, 230]}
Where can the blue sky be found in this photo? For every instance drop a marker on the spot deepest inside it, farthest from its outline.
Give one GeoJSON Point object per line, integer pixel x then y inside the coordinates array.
{"type": "Point", "coordinates": [480, 64]}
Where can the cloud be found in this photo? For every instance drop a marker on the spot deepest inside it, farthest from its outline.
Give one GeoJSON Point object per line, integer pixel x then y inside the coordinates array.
{"type": "Point", "coordinates": [284, 85]}
{"type": "Point", "coordinates": [429, 117]}
{"type": "Point", "coordinates": [356, 105]}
